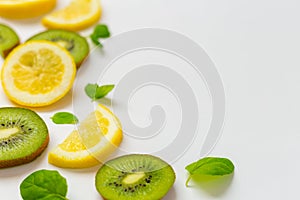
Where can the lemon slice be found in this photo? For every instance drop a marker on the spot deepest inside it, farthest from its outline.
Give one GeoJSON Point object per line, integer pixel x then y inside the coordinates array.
{"type": "Point", "coordinates": [19, 9]}
{"type": "Point", "coordinates": [37, 73]}
{"type": "Point", "coordinates": [79, 14]}
{"type": "Point", "coordinates": [96, 138]}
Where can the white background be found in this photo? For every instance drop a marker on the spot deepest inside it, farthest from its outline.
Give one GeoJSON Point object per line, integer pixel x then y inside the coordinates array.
{"type": "Point", "coordinates": [255, 45]}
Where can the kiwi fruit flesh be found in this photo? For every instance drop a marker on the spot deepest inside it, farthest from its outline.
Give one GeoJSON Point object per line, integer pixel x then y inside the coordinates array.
{"type": "Point", "coordinates": [23, 136]}
{"type": "Point", "coordinates": [135, 176]}
{"type": "Point", "coordinates": [8, 40]}
{"type": "Point", "coordinates": [72, 41]}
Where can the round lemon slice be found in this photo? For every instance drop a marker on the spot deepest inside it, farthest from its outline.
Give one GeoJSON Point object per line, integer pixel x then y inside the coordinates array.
{"type": "Point", "coordinates": [79, 14]}
{"type": "Point", "coordinates": [19, 9]}
{"type": "Point", "coordinates": [96, 138]}
{"type": "Point", "coordinates": [37, 73]}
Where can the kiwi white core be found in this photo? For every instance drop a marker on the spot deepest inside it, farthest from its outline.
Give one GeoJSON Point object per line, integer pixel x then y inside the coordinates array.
{"type": "Point", "coordinates": [133, 178]}
{"type": "Point", "coordinates": [7, 132]}
{"type": "Point", "coordinates": [62, 43]}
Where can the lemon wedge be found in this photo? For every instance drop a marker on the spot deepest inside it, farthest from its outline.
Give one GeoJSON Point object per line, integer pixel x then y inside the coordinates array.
{"type": "Point", "coordinates": [96, 138]}
{"type": "Point", "coordinates": [79, 14]}
{"type": "Point", "coordinates": [37, 73]}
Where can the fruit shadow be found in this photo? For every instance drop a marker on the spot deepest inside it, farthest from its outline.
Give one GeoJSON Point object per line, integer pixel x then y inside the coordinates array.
{"type": "Point", "coordinates": [105, 101]}
{"type": "Point", "coordinates": [212, 185]}
{"type": "Point", "coordinates": [59, 105]}
{"type": "Point", "coordinates": [62, 104]}
{"type": "Point", "coordinates": [22, 22]}
{"type": "Point", "coordinates": [95, 168]}
{"type": "Point", "coordinates": [87, 170]}
{"type": "Point", "coordinates": [171, 195]}
{"type": "Point", "coordinates": [25, 23]}
{"type": "Point", "coordinates": [20, 170]}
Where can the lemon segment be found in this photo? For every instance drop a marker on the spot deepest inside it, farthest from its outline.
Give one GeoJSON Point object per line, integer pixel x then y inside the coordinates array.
{"type": "Point", "coordinates": [79, 14]}
{"type": "Point", "coordinates": [19, 9]}
{"type": "Point", "coordinates": [88, 145]}
{"type": "Point", "coordinates": [37, 73]}
{"type": "Point", "coordinates": [73, 143]}
{"type": "Point", "coordinates": [31, 75]}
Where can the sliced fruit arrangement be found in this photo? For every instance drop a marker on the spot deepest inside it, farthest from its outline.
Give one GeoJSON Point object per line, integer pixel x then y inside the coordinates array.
{"type": "Point", "coordinates": [38, 73]}
{"type": "Point", "coordinates": [8, 40]}
{"type": "Point", "coordinates": [23, 136]}
{"type": "Point", "coordinates": [18, 9]}
{"type": "Point", "coordinates": [72, 41]}
{"type": "Point", "coordinates": [79, 14]}
{"type": "Point", "coordinates": [135, 176]}
{"type": "Point", "coordinates": [96, 138]}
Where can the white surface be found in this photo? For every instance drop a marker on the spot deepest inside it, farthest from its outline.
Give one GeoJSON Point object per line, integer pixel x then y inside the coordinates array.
{"type": "Point", "coordinates": [255, 46]}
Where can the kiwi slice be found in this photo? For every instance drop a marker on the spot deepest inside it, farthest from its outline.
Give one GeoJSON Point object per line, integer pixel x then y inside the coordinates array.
{"type": "Point", "coordinates": [135, 176]}
{"type": "Point", "coordinates": [23, 136]}
{"type": "Point", "coordinates": [8, 40]}
{"type": "Point", "coordinates": [72, 41]}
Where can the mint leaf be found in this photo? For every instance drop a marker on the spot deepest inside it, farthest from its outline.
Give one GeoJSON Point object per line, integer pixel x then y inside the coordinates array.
{"type": "Point", "coordinates": [64, 118]}
{"type": "Point", "coordinates": [95, 40]}
{"type": "Point", "coordinates": [90, 90]}
{"type": "Point", "coordinates": [100, 31]}
{"type": "Point", "coordinates": [102, 91]}
{"type": "Point", "coordinates": [95, 92]}
{"type": "Point", "coordinates": [210, 166]}
{"type": "Point", "coordinates": [44, 185]}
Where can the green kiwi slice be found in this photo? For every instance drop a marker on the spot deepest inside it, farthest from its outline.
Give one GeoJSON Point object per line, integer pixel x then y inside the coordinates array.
{"type": "Point", "coordinates": [72, 41]}
{"type": "Point", "coordinates": [8, 40]}
{"type": "Point", "coordinates": [135, 176]}
{"type": "Point", "coordinates": [23, 136]}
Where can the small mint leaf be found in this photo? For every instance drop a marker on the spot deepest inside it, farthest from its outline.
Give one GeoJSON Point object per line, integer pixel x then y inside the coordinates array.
{"type": "Point", "coordinates": [210, 166]}
{"type": "Point", "coordinates": [95, 40]}
{"type": "Point", "coordinates": [100, 31]}
{"type": "Point", "coordinates": [64, 118]}
{"type": "Point", "coordinates": [90, 90]}
{"type": "Point", "coordinates": [96, 92]}
{"type": "Point", "coordinates": [102, 91]}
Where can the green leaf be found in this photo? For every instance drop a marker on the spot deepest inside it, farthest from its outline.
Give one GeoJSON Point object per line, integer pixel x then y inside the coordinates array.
{"type": "Point", "coordinates": [100, 31]}
{"type": "Point", "coordinates": [210, 166]}
{"type": "Point", "coordinates": [44, 185]}
{"type": "Point", "coordinates": [90, 90]}
{"type": "Point", "coordinates": [95, 40]}
{"type": "Point", "coordinates": [95, 92]}
{"type": "Point", "coordinates": [102, 91]}
{"type": "Point", "coordinates": [64, 118]}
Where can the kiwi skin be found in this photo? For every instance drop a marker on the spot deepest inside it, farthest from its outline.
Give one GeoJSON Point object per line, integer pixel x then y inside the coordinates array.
{"type": "Point", "coordinates": [7, 51]}
{"type": "Point", "coordinates": [15, 116]}
{"type": "Point", "coordinates": [24, 160]}
{"type": "Point", "coordinates": [113, 180]}
{"type": "Point", "coordinates": [12, 37]}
